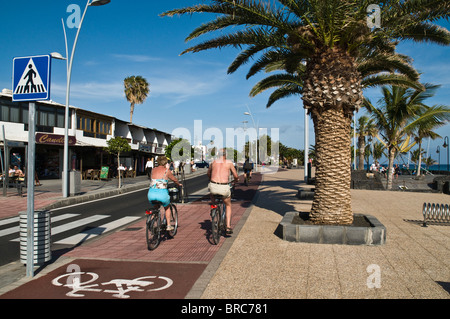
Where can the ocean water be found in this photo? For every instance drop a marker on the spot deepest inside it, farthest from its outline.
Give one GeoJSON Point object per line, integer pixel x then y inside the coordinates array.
{"type": "Point", "coordinates": [440, 167]}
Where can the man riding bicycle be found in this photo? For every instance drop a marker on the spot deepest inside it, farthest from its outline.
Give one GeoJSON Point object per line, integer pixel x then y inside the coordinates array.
{"type": "Point", "coordinates": [218, 173]}
{"type": "Point", "coordinates": [248, 167]}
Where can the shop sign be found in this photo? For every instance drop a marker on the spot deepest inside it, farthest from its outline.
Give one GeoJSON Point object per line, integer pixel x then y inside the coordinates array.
{"type": "Point", "coordinates": [53, 139]}
{"type": "Point", "coordinates": [145, 148]}
{"type": "Point", "coordinates": [104, 172]}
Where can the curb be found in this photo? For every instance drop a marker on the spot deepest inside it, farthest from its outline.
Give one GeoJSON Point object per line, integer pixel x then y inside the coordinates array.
{"type": "Point", "coordinates": [101, 195]}
{"type": "Point", "coordinates": [91, 197]}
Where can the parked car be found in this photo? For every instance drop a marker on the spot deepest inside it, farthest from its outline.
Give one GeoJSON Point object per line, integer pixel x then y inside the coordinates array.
{"type": "Point", "coordinates": [202, 164]}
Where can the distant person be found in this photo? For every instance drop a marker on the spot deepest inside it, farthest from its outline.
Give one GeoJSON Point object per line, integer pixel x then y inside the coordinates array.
{"type": "Point", "coordinates": [11, 171]}
{"type": "Point", "coordinates": [396, 171]}
{"type": "Point", "coordinates": [149, 167]}
{"type": "Point", "coordinates": [248, 167]}
{"type": "Point", "coordinates": [176, 167]}
{"type": "Point", "coordinates": [373, 167]}
{"type": "Point", "coordinates": [18, 172]}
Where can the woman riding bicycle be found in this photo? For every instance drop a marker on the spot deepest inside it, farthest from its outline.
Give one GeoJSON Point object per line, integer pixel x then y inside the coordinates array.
{"type": "Point", "coordinates": [158, 186]}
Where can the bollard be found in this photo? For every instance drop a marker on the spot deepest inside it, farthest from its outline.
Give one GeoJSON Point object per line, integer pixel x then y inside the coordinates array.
{"type": "Point", "coordinates": [42, 237]}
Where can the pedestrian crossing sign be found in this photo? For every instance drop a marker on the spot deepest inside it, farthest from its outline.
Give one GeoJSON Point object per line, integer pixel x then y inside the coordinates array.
{"type": "Point", "coordinates": [31, 78]}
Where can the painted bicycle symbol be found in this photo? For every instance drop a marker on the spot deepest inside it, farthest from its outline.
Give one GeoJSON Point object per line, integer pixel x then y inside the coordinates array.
{"type": "Point", "coordinates": [123, 286]}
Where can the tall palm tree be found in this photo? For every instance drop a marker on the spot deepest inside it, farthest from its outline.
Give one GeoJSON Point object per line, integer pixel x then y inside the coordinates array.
{"type": "Point", "coordinates": [365, 128]}
{"type": "Point", "coordinates": [401, 112]}
{"type": "Point", "coordinates": [332, 39]}
{"type": "Point", "coordinates": [378, 151]}
{"type": "Point", "coordinates": [136, 90]}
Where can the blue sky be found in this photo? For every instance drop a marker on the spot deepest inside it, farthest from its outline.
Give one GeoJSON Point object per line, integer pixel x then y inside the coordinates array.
{"type": "Point", "coordinates": [127, 38]}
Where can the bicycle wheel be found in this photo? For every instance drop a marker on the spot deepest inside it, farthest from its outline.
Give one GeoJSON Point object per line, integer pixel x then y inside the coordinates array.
{"type": "Point", "coordinates": [223, 220]}
{"type": "Point", "coordinates": [215, 225]}
{"type": "Point", "coordinates": [153, 232]}
{"type": "Point", "coordinates": [173, 220]}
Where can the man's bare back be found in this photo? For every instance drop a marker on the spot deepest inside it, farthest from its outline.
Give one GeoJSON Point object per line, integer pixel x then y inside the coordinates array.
{"type": "Point", "coordinates": [219, 171]}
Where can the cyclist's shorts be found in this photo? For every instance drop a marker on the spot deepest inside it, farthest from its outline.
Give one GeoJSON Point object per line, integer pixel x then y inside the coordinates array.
{"type": "Point", "coordinates": [219, 189]}
{"type": "Point", "coordinates": [161, 195]}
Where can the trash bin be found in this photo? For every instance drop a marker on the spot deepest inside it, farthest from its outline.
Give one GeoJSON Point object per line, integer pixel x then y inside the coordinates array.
{"type": "Point", "coordinates": [74, 183]}
{"type": "Point", "coordinates": [42, 237]}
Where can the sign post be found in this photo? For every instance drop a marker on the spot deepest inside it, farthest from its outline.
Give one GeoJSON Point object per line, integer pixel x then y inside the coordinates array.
{"type": "Point", "coordinates": [31, 82]}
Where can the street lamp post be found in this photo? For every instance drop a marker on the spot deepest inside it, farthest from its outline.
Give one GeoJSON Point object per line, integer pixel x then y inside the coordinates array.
{"type": "Point", "coordinates": [438, 150]}
{"type": "Point", "coordinates": [257, 134]}
{"type": "Point", "coordinates": [69, 62]}
{"type": "Point", "coordinates": [447, 147]}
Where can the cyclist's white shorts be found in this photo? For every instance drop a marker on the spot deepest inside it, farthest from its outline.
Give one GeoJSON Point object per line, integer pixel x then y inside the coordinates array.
{"type": "Point", "coordinates": [218, 189]}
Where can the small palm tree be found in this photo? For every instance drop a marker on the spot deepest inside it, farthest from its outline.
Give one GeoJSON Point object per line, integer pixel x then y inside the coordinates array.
{"type": "Point", "coordinates": [429, 161]}
{"type": "Point", "coordinates": [365, 128]}
{"type": "Point", "coordinates": [136, 90]}
{"type": "Point", "coordinates": [401, 112]}
{"type": "Point", "coordinates": [378, 151]}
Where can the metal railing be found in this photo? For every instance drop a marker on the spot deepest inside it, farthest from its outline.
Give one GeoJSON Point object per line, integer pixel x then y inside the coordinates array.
{"type": "Point", "coordinates": [439, 213]}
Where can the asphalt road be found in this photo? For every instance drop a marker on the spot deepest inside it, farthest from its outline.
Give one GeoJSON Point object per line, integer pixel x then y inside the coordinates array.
{"type": "Point", "coordinates": [73, 225]}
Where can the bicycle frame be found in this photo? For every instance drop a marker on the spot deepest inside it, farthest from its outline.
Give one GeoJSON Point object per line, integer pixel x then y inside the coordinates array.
{"type": "Point", "coordinates": [218, 223]}
{"type": "Point", "coordinates": [156, 224]}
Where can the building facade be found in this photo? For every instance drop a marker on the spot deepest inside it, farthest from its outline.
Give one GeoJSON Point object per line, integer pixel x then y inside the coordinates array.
{"type": "Point", "coordinates": [88, 134]}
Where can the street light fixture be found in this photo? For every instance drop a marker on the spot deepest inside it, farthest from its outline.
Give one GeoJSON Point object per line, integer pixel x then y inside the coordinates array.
{"type": "Point", "coordinates": [69, 62]}
{"type": "Point", "coordinates": [96, 3]}
{"type": "Point", "coordinates": [57, 55]}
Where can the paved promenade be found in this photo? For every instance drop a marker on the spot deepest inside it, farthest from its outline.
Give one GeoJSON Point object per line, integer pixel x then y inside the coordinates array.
{"type": "Point", "coordinates": [256, 263]}
{"type": "Point", "coordinates": [414, 262]}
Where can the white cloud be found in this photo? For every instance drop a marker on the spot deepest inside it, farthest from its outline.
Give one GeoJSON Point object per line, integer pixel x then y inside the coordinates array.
{"type": "Point", "coordinates": [90, 91]}
{"type": "Point", "coordinates": [135, 57]}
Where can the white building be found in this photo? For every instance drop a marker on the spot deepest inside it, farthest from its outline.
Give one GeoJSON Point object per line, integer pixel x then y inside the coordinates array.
{"type": "Point", "coordinates": [88, 133]}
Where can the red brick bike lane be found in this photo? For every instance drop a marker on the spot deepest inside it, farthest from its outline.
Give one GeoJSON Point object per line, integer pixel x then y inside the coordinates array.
{"type": "Point", "coordinates": [119, 265]}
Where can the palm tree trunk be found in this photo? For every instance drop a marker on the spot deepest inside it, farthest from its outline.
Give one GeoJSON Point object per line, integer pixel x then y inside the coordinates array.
{"type": "Point", "coordinates": [332, 198]}
{"type": "Point", "coordinates": [332, 91]}
{"type": "Point", "coordinates": [420, 159]}
{"type": "Point", "coordinates": [362, 148]}
{"type": "Point", "coordinates": [390, 167]}
{"type": "Point", "coordinates": [131, 112]}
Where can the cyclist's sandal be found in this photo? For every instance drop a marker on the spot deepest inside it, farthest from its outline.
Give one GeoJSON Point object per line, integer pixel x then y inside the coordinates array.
{"type": "Point", "coordinates": [229, 231]}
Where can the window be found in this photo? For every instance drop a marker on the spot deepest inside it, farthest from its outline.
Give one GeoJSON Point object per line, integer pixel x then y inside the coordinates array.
{"type": "Point", "coordinates": [4, 115]}
{"type": "Point", "coordinates": [12, 111]}
{"type": "Point", "coordinates": [24, 113]}
{"type": "Point", "coordinates": [14, 115]}
{"type": "Point", "coordinates": [47, 116]}
{"type": "Point", "coordinates": [92, 127]}
{"type": "Point", "coordinates": [60, 113]}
